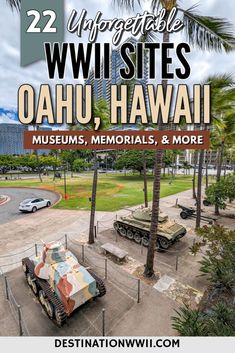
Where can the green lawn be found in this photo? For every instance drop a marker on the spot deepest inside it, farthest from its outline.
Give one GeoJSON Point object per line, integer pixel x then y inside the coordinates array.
{"type": "Point", "coordinates": [113, 192]}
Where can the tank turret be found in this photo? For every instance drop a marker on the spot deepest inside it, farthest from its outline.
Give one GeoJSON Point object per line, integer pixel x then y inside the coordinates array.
{"type": "Point", "coordinates": [60, 282]}
{"type": "Point", "coordinates": [136, 226]}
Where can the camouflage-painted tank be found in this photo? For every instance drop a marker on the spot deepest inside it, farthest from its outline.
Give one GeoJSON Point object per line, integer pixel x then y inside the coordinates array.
{"type": "Point", "coordinates": [136, 226]}
{"type": "Point", "coordinates": [60, 282]}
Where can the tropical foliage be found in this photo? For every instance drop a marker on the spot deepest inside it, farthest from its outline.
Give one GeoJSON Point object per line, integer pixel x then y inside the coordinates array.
{"type": "Point", "coordinates": [218, 265]}
{"type": "Point", "coordinates": [221, 192]}
{"type": "Point", "coordinates": [134, 160]}
{"type": "Point", "coordinates": [218, 262]}
{"type": "Point", "coordinates": [218, 321]}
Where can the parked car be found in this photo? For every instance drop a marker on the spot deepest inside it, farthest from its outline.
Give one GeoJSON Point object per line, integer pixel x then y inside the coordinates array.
{"type": "Point", "coordinates": [34, 204]}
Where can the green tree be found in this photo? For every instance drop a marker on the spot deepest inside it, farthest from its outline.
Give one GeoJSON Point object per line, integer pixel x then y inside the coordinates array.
{"type": "Point", "coordinates": [218, 262]}
{"type": "Point", "coordinates": [206, 33]}
{"type": "Point", "coordinates": [80, 164]}
{"type": "Point", "coordinates": [221, 191]}
{"type": "Point", "coordinates": [134, 160]}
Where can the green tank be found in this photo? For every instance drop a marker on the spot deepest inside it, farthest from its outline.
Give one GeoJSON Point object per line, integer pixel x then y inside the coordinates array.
{"type": "Point", "coordinates": [136, 226]}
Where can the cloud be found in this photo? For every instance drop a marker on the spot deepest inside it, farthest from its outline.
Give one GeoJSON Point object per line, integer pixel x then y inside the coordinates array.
{"type": "Point", "coordinates": [4, 119]}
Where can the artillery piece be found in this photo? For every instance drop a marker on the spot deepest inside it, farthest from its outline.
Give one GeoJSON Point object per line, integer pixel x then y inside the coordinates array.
{"type": "Point", "coordinates": [136, 226]}
{"type": "Point", "coordinates": [59, 282]}
{"type": "Point", "coordinates": [190, 212]}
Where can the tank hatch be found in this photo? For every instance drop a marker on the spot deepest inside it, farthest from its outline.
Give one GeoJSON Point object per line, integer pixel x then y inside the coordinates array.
{"type": "Point", "coordinates": [142, 214]}
{"type": "Point", "coordinates": [145, 214]}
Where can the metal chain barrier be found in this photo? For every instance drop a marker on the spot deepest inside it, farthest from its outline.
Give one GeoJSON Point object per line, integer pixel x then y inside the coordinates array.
{"type": "Point", "coordinates": [15, 308]}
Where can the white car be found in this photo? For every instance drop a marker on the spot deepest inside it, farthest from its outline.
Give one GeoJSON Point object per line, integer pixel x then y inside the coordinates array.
{"type": "Point", "coordinates": [34, 204]}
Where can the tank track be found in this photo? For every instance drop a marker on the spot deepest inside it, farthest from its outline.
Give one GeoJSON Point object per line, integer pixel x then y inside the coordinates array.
{"type": "Point", "coordinates": [100, 284]}
{"type": "Point", "coordinates": [143, 233]}
{"type": "Point", "coordinates": [50, 294]}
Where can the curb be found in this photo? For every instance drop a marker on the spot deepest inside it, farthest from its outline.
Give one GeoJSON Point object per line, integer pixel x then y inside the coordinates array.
{"type": "Point", "coordinates": [59, 196]}
{"type": "Point", "coordinates": [4, 199]}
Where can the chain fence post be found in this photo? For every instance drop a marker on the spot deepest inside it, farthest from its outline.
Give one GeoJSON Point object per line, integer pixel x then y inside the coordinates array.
{"type": "Point", "coordinates": [176, 262]}
{"type": "Point", "coordinates": [106, 268]}
{"type": "Point", "coordinates": [20, 320]}
{"type": "Point", "coordinates": [83, 255]}
{"type": "Point", "coordinates": [116, 236]}
{"type": "Point", "coordinates": [6, 287]}
{"type": "Point", "coordinates": [103, 322]}
{"type": "Point", "coordinates": [141, 247]}
{"type": "Point", "coordinates": [138, 292]}
{"type": "Point", "coordinates": [95, 231]}
{"type": "Point", "coordinates": [66, 241]}
{"type": "Point", "coordinates": [97, 226]}
{"type": "Point", "coordinates": [36, 249]}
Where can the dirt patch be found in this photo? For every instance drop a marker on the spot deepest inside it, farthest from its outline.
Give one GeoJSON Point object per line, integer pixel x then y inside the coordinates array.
{"type": "Point", "coordinates": [139, 273]}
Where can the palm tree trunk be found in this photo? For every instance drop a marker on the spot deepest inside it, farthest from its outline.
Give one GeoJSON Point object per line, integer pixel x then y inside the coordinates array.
{"type": "Point", "coordinates": [219, 169]}
{"type": "Point", "coordinates": [149, 267]}
{"type": "Point", "coordinates": [38, 166]}
{"type": "Point", "coordinates": [93, 201]}
{"type": "Point", "coordinates": [145, 180]}
{"type": "Point", "coordinates": [199, 189]}
{"type": "Point", "coordinates": [194, 174]}
{"type": "Point", "coordinates": [220, 162]}
{"type": "Point", "coordinates": [149, 271]}
{"type": "Point", "coordinates": [37, 160]}
{"type": "Point", "coordinates": [207, 179]}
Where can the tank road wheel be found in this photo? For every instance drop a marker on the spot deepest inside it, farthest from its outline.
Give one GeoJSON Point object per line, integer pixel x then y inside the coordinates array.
{"type": "Point", "coordinates": [130, 234]}
{"type": "Point", "coordinates": [122, 231]}
{"type": "Point", "coordinates": [46, 304]}
{"type": "Point", "coordinates": [49, 308]}
{"type": "Point", "coordinates": [158, 246]}
{"type": "Point", "coordinates": [206, 203]}
{"type": "Point", "coordinates": [32, 283]}
{"type": "Point", "coordinates": [145, 241]}
{"type": "Point", "coordinates": [25, 268]}
{"type": "Point", "coordinates": [183, 215]}
{"type": "Point", "coordinates": [41, 297]}
{"type": "Point", "coordinates": [164, 243]}
{"type": "Point", "coordinates": [116, 226]}
{"type": "Point", "coordinates": [59, 317]}
{"type": "Point", "coordinates": [137, 237]}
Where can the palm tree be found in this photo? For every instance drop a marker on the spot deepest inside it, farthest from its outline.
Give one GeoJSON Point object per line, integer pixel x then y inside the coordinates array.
{"type": "Point", "coordinates": [222, 100]}
{"type": "Point", "coordinates": [15, 4]}
{"type": "Point", "coordinates": [101, 110]}
{"type": "Point", "coordinates": [206, 33]}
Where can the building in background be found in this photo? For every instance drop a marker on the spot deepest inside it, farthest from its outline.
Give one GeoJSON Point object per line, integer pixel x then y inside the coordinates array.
{"type": "Point", "coordinates": [12, 138]}
{"type": "Point", "coordinates": [102, 87]}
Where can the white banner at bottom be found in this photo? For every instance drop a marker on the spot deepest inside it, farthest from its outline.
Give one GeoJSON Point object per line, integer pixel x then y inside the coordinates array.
{"type": "Point", "coordinates": [117, 344]}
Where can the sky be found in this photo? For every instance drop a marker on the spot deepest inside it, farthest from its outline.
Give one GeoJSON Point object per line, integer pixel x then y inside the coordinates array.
{"type": "Point", "coordinates": [12, 76]}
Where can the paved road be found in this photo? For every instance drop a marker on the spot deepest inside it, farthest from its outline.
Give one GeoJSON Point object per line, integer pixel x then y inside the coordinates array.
{"type": "Point", "coordinates": [9, 211]}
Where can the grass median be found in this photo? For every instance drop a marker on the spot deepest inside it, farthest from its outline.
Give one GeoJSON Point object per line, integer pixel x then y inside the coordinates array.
{"type": "Point", "coordinates": [113, 191]}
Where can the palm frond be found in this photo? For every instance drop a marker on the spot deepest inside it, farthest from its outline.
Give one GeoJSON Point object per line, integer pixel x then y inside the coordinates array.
{"type": "Point", "coordinates": [14, 4]}
{"type": "Point", "coordinates": [128, 4]}
{"type": "Point", "coordinates": [208, 33]}
{"type": "Point", "coordinates": [148, 37]}
{"type": "Point", "coordinates": [155, 5]}
{"type": "Point", "coordinates": [220, 81]}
